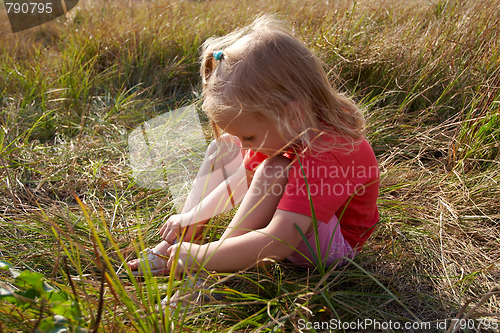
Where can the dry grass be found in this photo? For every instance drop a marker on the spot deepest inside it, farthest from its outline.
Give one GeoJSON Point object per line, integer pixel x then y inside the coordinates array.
{"type": "Point", "coordinates": [427, 73]}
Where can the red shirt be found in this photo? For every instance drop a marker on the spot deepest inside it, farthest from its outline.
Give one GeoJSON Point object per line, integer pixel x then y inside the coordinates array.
{"type": "Point", "coordinates": [344, 184]}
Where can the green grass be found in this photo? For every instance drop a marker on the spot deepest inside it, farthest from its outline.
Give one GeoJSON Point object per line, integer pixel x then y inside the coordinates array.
{"type": "Point", "coordinates": [427, 74]}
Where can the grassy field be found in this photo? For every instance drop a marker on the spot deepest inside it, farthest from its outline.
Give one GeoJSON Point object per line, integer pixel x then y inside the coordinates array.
{"type": "Point", "coordinates": [428, 76]}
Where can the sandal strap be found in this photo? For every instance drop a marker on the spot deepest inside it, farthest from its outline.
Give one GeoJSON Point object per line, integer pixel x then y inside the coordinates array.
{"type": "Point", "coordinates": [155, 259]}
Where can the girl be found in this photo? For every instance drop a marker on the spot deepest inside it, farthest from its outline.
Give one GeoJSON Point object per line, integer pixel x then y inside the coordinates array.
{"type": "Point", "coordinates": [305, 160]}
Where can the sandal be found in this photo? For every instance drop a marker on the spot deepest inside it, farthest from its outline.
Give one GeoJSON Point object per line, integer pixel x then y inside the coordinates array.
{"type": "Point", "coordinates": [156, 261]}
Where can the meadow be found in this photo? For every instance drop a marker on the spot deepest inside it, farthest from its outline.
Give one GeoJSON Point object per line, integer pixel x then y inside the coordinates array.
{"type": "Point", "coordinates": [427, 74]}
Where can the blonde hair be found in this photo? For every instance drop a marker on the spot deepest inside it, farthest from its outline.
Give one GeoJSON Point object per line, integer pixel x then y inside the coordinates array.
{"type": "Point", "coordinates": [266, 71]}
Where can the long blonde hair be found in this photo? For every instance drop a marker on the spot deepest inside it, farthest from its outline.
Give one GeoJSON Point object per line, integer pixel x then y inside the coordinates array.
{"type": "Point", "coordinates": [264, 70]}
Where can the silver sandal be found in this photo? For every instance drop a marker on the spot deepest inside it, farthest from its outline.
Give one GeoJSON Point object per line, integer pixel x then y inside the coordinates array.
{"type": "Point", "coordinates": [156, 261]}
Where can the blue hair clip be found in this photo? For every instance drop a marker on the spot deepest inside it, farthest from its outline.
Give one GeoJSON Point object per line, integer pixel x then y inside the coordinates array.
{"type": "Point", "coordinates": [218, 55]}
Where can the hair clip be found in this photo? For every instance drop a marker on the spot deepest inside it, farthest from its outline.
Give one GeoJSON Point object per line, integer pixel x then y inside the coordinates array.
{"type": "Point", "coordinates": [211, 64]}
{"type": "Point", "coordinates": [218, 55]}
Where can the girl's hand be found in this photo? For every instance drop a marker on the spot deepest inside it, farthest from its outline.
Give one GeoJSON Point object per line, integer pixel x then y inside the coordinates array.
{"type": "Point", "coordinates": [186, 257]}
{"type": "Point", "coordinates": [171, 230]}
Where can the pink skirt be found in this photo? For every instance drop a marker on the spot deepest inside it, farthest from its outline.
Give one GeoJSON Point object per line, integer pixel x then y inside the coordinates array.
{"type": "Point", "coordinates": [334, 248]}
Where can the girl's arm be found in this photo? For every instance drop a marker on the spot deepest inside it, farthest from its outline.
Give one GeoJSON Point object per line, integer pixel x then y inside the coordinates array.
{"type": "Point", "coordinates": [276, 241]}
{"type": "Point", "coordinates": [257, 231]}
{"type": "Point", "coordinates": [216, 202]}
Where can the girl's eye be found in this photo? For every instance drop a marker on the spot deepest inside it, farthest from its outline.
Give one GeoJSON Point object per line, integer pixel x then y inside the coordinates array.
{"type": "Point", "coordinates": [248, 138]}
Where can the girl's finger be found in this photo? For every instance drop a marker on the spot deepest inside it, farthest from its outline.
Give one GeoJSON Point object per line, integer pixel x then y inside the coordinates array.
{"type": "Point", "coordinates": [164, 235]}
{"type": "Point", "coordinates": [169, 251]}
{"type": "Point", "coordinates": [164, 232]}
{"type": "Point", "coordinates": [170, 261]}
{"type": "Point", "coordinates": [171, 254]}
{"type": "Point", "coordinates": [179, 267]}
{"type": "Point", "coordinates": [164, 226]}
{"type": "Point", "coordinates": [171, 236]}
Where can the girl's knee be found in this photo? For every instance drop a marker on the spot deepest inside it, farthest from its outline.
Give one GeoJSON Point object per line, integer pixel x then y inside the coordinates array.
{"type": "Point", "coordinates": [224, 143]}
{"type": "Point", "coordinates": [226, 137]}
{"type": "Point", "coordinates": [212, 148]}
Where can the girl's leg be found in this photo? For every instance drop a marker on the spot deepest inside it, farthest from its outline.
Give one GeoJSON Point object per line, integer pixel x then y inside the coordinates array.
{"type": "Point", "coordinates": [222, 163]}
{"type": "Point", "coordinates": [222, 159]}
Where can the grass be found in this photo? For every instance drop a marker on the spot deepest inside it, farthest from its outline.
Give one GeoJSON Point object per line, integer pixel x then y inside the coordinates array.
{"type": "Point", "coordinates": [427, 74]}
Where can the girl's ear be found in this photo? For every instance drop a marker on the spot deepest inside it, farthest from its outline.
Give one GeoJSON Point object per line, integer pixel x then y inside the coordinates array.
{"type": "Point", "coordinates": [208, 68]}
{"type": "Point", "coordinates": [297, 117]}
{"type": "Point", "coordinates": [296, 110]}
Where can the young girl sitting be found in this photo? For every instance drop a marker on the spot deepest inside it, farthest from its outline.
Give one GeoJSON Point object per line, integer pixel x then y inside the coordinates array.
{"type": "Point", "coordinates": [305, 158]}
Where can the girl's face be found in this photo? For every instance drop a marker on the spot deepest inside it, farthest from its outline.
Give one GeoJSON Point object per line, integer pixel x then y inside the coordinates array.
{"type": "Point", "coordinates": [255, 133]}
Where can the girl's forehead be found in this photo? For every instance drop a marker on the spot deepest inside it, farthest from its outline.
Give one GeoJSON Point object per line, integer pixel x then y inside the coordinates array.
{"type": "Point", "coordinates": [234, 122]}
{"type": "Point", "coordinates": [241, 122]}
